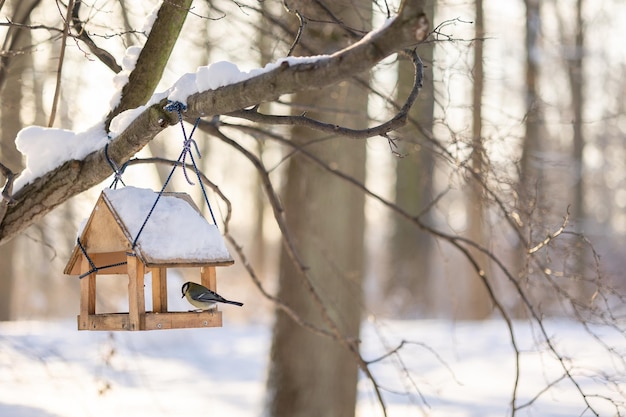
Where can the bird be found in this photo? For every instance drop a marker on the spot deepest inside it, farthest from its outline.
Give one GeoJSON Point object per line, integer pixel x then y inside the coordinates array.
{"type": "Point", "coordinates": [203, 298]}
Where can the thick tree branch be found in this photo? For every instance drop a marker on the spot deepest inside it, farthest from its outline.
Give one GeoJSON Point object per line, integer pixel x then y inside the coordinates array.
{"type": "Point", "coordinates": [397, 121]}
{"type": "Point", "coordinates": [287, 79]}
{"type": "Point", "coordinates": [153, 57]}
{"type": "Point", "coordinates": [38, 198]}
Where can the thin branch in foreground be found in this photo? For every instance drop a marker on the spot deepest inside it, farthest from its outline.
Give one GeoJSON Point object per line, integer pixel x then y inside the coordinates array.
{"type": "Point", "coordinates": [238, 248]}
{"type": "Point", "coordinates": [551, 236]}
{"type": "Point", "coordinates": [57, 88]}
{"type": "Point", "coordinates": [349, 344]}
{"type": "Point", "coordinates": [396, 122]}
{"type": "Point", "coordinates": [540, 393]}
{"type": "Point", "coordinates": [302, 24]}
{"type": "Point", "coordinates": [459, 242]}
{"type": "Point", "coordinates": [103, 55]}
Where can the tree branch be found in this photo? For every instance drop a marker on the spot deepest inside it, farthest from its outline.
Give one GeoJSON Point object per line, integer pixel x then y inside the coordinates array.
{"type": "Point", "coordinates": [153, 57]}
{"type": "Point", "coordinates": [287, 79]}
{"type": "Point", "coordinates": [349, 344]}
{"type": "Point", "coordinates": [397, 121]}
{"type": "Point", "coordinates": [45, 193]}
{"type": "Point", "coordinates": [103, 55]}
{"type": "Point", "coordinates": [21, 16]}
{"type": "Point", "coordinates": [57, 88]}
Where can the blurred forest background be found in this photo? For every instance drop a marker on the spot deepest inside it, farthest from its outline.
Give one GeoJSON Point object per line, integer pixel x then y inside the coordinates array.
{"type": "Point", "coordinates": [517, 132]}
{"type": "Point", "coordinates": [503, 195]}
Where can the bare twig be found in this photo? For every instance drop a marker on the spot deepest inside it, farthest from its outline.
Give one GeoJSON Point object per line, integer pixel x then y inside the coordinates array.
{"type": "Point", "coordinates": [12, 37]}
{"type": "Point", "coordinates": [540, 393]}
{"type": "Point", "coordinates": [104, 56]}
{"type": "Point", "coordinates": [551, 236]}
{"type": "Point", "coordinates": [238, 248]}
{"type": "Point", "coordinates": [397, 121]}
{"type": "Point", "coordinates": [460, 242]}
{"type": "Point", "coordinates": [302, 21]}
{"type": "Point", "coordinates": [349, 344]}
{"type": "Point", "coordinates": [57, 88]}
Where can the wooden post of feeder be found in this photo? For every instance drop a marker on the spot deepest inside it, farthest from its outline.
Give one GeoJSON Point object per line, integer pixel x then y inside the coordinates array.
{"type": "Point", "coordinates": [208, 277]}
{"type": "Point", "coordinates": [136, 294]}
{"type": "Point", "coordinates": [159, 290]}
{"type": "Point", "coordinates": [87, 295]}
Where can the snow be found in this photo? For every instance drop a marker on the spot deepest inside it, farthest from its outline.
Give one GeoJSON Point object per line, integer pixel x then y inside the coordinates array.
{"type": "Point", "coordinates": [129, 61]}
{"type": "Point", "coordinates": [175, 230]}
{"type": "Point", "coordinates": [125, 118]}
{"type": "Point", "coordinates": [151, 18]}
{"type": "Point", "coordinates": [48, 148]}
{"type": "Point", "coordinates": [50, 369]}
{"type": "Point", "coordinates": [222, 73]}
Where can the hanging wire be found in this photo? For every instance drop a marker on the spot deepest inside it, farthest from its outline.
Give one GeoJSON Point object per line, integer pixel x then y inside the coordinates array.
{"type": "Point", "coordinates": [117, 172]}
{"type": "Point", "coordinates": [179, 108]}
{"type": "Point", "coordinates": [169, 177]}
{"type": "Point", "coordinates": [94, 268]}
{"type": "Point", "coordinates": [188, 141]}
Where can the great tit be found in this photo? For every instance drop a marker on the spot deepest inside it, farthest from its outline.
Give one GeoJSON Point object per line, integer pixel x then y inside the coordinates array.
{"type": "Point", "coordinates": [203, 298]}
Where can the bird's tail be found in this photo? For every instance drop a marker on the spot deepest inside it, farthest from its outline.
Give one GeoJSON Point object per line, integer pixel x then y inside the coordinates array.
{"type": "Point", "coordinates": [237, 303]}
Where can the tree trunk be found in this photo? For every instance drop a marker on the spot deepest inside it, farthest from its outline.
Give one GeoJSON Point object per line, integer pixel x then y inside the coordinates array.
{"type": "Point", "coordinates": [475, 303]}
{"type": "Point", "coordinates": [408, 288]}
{"type": "Point", "coordinates": [11, 123]}
{"type": "Point", "coordinates": [576, 80]}
{"type": "Point", "coordinates": [311, 375]}
{"type": "Point", "coordinates": [529, 189]}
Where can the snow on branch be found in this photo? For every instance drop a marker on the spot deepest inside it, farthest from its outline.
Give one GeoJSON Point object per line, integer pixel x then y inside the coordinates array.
{"type": "Point", "coordinates": [138, 126]}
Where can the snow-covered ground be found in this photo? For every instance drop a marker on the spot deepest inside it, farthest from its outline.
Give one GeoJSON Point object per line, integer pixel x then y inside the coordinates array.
{"type": "Point", "coordinates": [50, 369]}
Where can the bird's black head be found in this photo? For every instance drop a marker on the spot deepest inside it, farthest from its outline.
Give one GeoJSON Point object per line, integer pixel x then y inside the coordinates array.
{"type": "Point", "coordinates": [184, 288]}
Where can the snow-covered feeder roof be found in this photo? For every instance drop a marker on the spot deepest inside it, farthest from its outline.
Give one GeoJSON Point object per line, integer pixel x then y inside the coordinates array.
{"type": "Point", "coordinates": [176, 233]}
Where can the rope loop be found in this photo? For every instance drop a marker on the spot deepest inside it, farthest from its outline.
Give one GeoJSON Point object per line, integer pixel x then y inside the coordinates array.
{"type": "Point", "coordinates": [176, 106]}
{"type": "Point", "coordinates": [187, 151]}
{"type": "Point", "coordinates": [117, 172]}
{"type": "Point", "coordinates": [179, 108]}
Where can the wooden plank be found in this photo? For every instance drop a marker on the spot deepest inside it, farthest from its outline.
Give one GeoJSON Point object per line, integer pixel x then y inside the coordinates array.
{"type": "Point", "coordinates": [103, 232]}
{"type": "Point", "coordinates": [153, 321]}
{"type": "Point", "coordinates": [208, 277]}
{"type": "Point", "coordinates": [136, 294]}
{"type": "Point", "coordinates": [73, 265]}
{"type": "Point", "coordinates": [183, 320]}
{"type": "Point", "coordinates": [159, 290]}
{"type": "Point", "coordinates": [87, 293]}
{"type": "Point", "coordinates": [182, 263]}
{"type": "Point", "coordinates": [108, 322]}
{"type": "Point", "coordinates": [110, 258]}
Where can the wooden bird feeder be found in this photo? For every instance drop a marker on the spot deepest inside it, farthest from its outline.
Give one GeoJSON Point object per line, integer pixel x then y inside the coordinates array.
{"type": "Point", "coordinates": [175, 235]}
